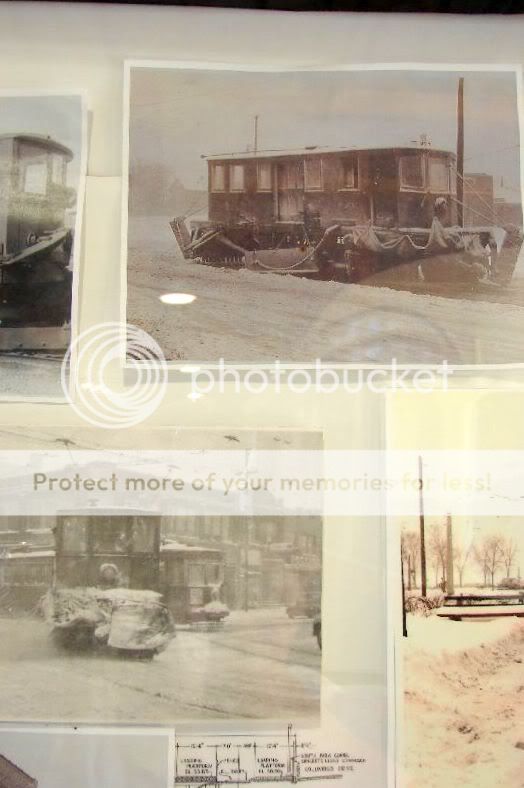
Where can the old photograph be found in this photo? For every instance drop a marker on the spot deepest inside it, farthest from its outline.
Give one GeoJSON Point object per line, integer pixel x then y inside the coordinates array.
{"type": "Point", "coordinates": [462, 649]}
{"type": "Point", "coordinates": [114, 612]}
{"type": "Point", "coordinates": [60, 758]}
{"type": "Point", "coordinates": [42, 161]}
{"type": "Point", "coordinates": [163, 618]}
{"type": "Point", "coordinates": [351, 216]}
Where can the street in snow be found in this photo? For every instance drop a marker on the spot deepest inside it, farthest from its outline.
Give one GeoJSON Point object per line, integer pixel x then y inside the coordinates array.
{"type": "Point", "coordinates": [232, 672]}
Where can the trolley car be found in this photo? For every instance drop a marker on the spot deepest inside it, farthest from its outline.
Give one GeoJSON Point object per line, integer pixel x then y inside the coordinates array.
{"type": "Point", "coordinates": [25, 576]}
{"type": "Point", "coordinates": [342, 213]}
{"type": "Point", "coordinates": [127, 540]}
{"type": "Point", "coordinates": [35, 243]}
{"type": "Point", "coordinates": [192, 583]}
{"type": "Point", "coordinates": [105, 593]}
{"type": "Point", "coordinates": [113, 550]}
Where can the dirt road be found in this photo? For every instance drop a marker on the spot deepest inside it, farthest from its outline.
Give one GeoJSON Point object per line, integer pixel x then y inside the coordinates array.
{"type": "Point", "coordinates": [261, 665]}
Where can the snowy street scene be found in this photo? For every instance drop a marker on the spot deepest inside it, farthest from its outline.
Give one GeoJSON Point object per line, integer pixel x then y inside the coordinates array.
{"type": "Point", "coordinates": [257, 665]}
{"type": "Point", "coordinates": [126, 616]}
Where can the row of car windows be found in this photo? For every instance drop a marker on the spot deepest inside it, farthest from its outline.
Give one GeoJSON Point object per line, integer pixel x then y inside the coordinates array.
{"type": "Point", "coordinates": [416, 172]}
{"type": "Point", "coordinates": [301, 174]}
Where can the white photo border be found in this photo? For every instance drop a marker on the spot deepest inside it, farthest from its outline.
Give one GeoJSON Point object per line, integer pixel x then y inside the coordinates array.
{"type": "Point", "coordinates": [133, 63]}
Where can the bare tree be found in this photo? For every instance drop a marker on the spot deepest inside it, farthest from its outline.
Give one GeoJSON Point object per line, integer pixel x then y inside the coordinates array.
{"type": "Point", "coordinates": [437, 551]}
{"type": "Point", "coordinates": [509, 551]}
{"type": "Point", "coordinates": [490, 557]}
{"type": "Point", "coordinates": [411, 556]}
{"type": "Point", "coordinates": [479, 553]}
{"type": "Point", "coordinates": [461, 558]}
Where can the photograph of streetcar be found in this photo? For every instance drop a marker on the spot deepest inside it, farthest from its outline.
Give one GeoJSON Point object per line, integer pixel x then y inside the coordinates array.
{"type": "Point", "coordinates": [360, 215]}
{"type": "Point", "coordinates": [123, 615]}
{"type": "Point", "coordinates": [41, 176]}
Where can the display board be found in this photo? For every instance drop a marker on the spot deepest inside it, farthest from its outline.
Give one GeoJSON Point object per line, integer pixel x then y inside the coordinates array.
{"type": "Point", "coordinates": [260, 370]}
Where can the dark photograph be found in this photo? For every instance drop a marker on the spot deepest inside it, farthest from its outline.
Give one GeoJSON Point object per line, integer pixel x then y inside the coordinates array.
{"type": "Point", "coordinates": [41, 167]}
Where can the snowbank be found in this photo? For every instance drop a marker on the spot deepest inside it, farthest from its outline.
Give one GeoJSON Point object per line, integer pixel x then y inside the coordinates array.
{"type": "Point", "coordinates": [438, 636]}
{"type": "Point", "coordinates": [463, 690]}
{"type": "Point", "coordinates": [247, 317]}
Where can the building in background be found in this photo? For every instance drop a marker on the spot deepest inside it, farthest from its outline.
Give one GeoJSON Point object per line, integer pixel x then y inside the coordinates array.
{"type": "Point", "coordinates": [13, 777]}
{"type": "Point", "coordinates": [268, 561]}
{"type": "Point", "coordinates": [482, 207]}
{"type": "Point", "coordinates": [508, 213]}
{"type": "Point", "coordinates": [478, 199]}
{"type": "Point", "coordinates": [252, 562]}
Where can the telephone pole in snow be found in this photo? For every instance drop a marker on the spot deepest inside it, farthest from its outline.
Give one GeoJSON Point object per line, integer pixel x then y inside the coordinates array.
{"type": "Point", "coordinates": [460, 153]}
{"type": "Point", "coordinates": [450, 584]}
{"type": "Point", "coordinates": [423, 576]}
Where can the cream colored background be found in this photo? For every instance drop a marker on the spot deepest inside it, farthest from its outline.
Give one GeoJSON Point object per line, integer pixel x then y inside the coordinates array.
{"type": "Point", "coordinates": [82, 47]}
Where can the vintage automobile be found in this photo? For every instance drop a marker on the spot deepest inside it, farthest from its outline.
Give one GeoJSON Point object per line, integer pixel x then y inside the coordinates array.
{"type": "Point", "coordinates": [343, 213]}
{"type": "Point", "coordinates": [106, 590]}
{"type": "Point", "coordinates": [511, 584]}
{"type": "Point", "coordinates": [35, 242]}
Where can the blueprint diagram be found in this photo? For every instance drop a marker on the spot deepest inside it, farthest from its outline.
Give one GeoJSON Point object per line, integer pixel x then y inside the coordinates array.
{"type": "Point", "coordinates": [258, 758]}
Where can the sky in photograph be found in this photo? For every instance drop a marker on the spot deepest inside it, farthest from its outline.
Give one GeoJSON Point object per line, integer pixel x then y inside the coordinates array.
{"type": "Point", "coordinates": [59, 117]}
{"type": "Point", "coordinates": [176, 116]}
{"type": "Point", "coordinates": [80, 760]}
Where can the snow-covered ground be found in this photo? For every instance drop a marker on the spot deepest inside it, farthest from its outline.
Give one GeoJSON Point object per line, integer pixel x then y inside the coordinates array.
{"type": "Point", "coordinates": [30, 377]}
{"type": "Point", "coordinates": [249, 317]}
{"type": "Point", "coordinates": [464, 704]}
{"type": "Point", "coordinates": [259, 665]}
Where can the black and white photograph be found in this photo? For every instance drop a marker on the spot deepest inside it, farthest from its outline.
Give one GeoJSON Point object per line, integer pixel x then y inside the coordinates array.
{"type": "Point", "coordinates": [117, 612]}
{"type": "Point", "coordinates": [125, 617]}
{"type": "Point", "coordinates": [359, 215]}
{"type": "Point", "coordinates": [61, 758]}
{"type": "Point", "coordinates": [42, 162]}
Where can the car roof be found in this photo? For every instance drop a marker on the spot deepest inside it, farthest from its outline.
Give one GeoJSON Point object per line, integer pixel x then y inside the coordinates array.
{"type": "Point", "coordinates": [42, 140]}
{"type": "Point", "coordinates": [318, 150]}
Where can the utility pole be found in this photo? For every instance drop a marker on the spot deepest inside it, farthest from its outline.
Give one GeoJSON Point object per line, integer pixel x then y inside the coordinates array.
{"type": "Point", "coordinates": [450, 585]}
{"type": "Point", "coordinates": [460, 153]}
{"type": "Point", "coordinates": [404, 617]}
{"type": "Point", "coordinates": [423, 577]}
{"type": "Point", "coordinates": [246, 563]}
{"type": "Point", "coordinates": [255, 138]}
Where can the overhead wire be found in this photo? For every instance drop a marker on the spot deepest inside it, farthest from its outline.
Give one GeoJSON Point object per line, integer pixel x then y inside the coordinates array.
{"type": "Point", "coordinates": [476, 193]}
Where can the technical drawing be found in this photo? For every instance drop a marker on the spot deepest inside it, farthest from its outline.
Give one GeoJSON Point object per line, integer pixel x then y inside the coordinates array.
{"type": "Point", "coordinates": [240, 759]}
